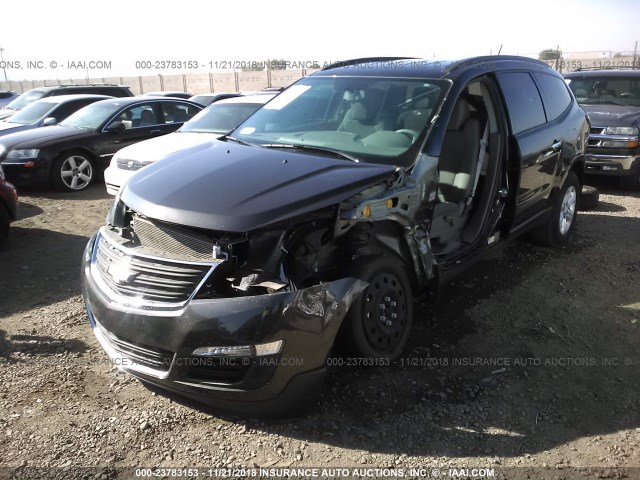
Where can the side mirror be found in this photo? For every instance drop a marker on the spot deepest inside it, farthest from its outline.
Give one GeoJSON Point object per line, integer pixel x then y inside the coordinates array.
{"type": "Point", "coordinates": [47, 122]}
{"type": "Point", "coordinates": [115, 127]}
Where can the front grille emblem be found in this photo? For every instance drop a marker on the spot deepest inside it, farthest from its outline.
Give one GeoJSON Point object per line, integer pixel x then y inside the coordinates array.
{"type": "Point", "coordinates": [121, 274]}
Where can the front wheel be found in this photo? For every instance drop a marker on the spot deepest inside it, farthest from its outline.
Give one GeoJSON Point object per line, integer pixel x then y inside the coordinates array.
{"type": "Point", "coordinates": [561, 222]}
{"type": "Point", "coordinates": [630, 182]}
{"type": "Point", "coordinates": [379, 321]}
{"type": "Point", "coordinates": [72, 172]}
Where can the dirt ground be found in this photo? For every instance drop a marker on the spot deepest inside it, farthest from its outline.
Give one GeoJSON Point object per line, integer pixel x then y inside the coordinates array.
{"type": "Point", "coordinates": [528, 365]}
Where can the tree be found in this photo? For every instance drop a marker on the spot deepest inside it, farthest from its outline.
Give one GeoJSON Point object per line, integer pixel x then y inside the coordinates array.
{"type": "Point", "coordinates": [550, 54]}
{"type": "Point", "coordinates": [617, 55]}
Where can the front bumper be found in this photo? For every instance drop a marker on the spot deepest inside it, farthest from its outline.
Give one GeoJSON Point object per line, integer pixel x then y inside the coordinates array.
{"type": "Point", "coordinates": [157, 345]}
{"type": "Point", "coordinates": [115, 178]}
{"type": "Point", "coordinates": [612, 164]}
{"type": "Point", "coordinates": [27, 172]}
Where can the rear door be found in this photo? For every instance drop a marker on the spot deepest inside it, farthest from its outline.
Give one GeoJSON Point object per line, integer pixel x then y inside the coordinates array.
{"type": "Point", "coordinates": [538, 143]}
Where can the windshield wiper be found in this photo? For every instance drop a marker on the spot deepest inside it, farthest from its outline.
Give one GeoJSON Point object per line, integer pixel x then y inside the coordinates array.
{"type": "Point", "coordinates": [312, 148]}
{"type": "Point", "coordinates": [234, 139]}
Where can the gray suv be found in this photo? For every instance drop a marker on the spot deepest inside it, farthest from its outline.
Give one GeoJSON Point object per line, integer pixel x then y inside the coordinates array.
{"type": "Point", "coordinates": [611, 99]}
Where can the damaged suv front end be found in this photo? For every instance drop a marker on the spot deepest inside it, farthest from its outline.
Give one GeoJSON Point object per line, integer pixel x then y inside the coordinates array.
{"type": "Point", "coordinates": [224, 274]}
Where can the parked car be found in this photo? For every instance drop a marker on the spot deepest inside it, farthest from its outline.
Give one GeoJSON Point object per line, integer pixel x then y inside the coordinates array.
{"type": "Point", "coordinates": [212, 122]}
{"type": "Point", "coordinates": [208, 98]}
{"type": "Point", "coordinates": [183, 95]}
{"type": "Point", "coordinates": [6, 97]}
{"type": "Point", "coordinates": [611, 98]}
{"type": "Point", "coordinates": [34, 94]}
{"type": "Point", "coordinates": [8, 206]}
{"type": "Point", "coordinates": [46, 112]}
{"type": "Point", "coordinates": [227, 274]}
{"type": "Point", "coordinates": [68, 154]}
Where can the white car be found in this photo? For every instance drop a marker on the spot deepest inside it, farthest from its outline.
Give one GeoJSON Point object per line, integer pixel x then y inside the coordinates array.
{"type": "Point", "coordinates": [213, 122]}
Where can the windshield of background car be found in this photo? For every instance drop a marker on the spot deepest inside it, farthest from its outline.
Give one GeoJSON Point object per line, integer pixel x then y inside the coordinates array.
{"type": "Point", "coordinates": [220, 117]}
{"type": "Point", "coordinates": [25, 99]}
{"type": "Point", "coordinates": [31, 113]}
{"type": "Point", "coordinates": [371, 118]}
{"type": "Point", "coordinates": [606, 89]}
{"type": "Point", "coordinates": [91, 116]}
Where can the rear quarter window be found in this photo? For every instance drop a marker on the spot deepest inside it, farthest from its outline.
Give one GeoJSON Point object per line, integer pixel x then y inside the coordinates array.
{"type": "Point", "coordinates": [523, 100]}
{"type": "Point", "coordinates": [557, 94]}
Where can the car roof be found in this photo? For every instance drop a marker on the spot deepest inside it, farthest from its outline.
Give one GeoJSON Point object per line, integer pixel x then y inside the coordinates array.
{"type": "Point", "coordinates": [260, 98]}
{"type": "Point", "coordinates": [124, 101]}
{"type": "Point", "coordinates": [69, 98]}
{"type": "Point", "coordinates": [601, 72]}
{"type": "Point", "coordinates": [409, 67]}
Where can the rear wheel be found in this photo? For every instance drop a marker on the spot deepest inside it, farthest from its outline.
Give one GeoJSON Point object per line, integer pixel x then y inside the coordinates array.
{"type": "Point", "coordinates": [561, 222]}
{"type": "Point", "coordinates": [378, 323]}
{"type": "Point", "coordinates": [72, 172]}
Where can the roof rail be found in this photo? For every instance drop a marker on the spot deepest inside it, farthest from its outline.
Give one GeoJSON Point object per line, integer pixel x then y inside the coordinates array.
{"type": "Point", "coordinates": [471, 61]}
{"type": "Point", "coordinates": [84, 85]}
{"type": "Point", "coordinates": [355, 61]}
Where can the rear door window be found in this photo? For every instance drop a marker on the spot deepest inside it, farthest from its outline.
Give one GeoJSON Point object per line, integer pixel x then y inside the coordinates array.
{"type": "Point", "coordinates": [557, 94]}
{"type": "Point", "coordinates": [523, 100]}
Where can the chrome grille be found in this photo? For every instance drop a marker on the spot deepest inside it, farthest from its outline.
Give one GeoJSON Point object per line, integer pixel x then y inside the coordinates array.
{"type": "Point", "coordinates": [132, 165]}
{"type": "Point", "coordinates": [598, 130]}
{"type": "Point", "coordinates": [138, 354]}
{"type": "Point", "coordinates": [147, 278]}
{"type": "Point", "coordinates": [172, 242]}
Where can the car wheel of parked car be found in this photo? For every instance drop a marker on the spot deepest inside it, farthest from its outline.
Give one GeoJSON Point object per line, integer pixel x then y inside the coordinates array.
{"type": "Point", "coordinates": [630, 182]}
{"type": "Point", "coordinates": [589, 197]}
{"type": "Point", "coordinates": [561, 222]}
{"type": "Point", "coordinates": [4, 225]}
{"type": "Point", "coordinates": [72, 172]}
{"type": "Point", "coordinates": [379, 321]}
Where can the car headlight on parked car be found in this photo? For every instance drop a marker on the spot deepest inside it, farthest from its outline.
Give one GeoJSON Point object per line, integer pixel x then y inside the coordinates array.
{"type": "Point", "coordinates": [23, 154]}
{"type": "Point", "coordinates": [622, 131]}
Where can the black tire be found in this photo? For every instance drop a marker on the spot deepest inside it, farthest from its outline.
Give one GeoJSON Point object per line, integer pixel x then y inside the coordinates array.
{"type": "Point", "coordinates": [4, 225]}
{"type": "Point", "coordinates": [379, 322]}
{"type": "Point", "coordinates": [630, 182]}
{"type": "Point", "coordinates": [552, 234]}
{"type": "Point", "coordinates": [589, 198]}
{"type": "Point", "coordinates": [72, 171]}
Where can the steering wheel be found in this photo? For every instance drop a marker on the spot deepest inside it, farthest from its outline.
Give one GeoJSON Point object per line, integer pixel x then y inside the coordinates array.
{"type": "Point", "coordinates": [412, 134]}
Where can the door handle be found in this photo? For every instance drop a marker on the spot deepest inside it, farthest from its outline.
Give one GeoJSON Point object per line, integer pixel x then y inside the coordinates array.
{"type": "Point", "coordinates": [155, 131]}
{"type": "Point", "coordinates": [556, 146]}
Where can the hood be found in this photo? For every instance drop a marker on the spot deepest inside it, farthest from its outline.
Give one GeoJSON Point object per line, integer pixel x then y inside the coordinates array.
{"type": "Point", "coordinates": [7, 128]}
{"type": "Point", "coordinates": [607, 115]}
{"type": "Point", "coordinates": [41, 137]}
{"type": "Point", "coordinates": [156, 148]}
{"type": "Point", "coordinates": [6, 113]}
{"type": "Point", "coordinates": [238, 188]}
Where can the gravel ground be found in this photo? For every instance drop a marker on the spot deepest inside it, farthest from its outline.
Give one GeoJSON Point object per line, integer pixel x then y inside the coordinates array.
{"type": "Point", "coordinates": [529, 360]}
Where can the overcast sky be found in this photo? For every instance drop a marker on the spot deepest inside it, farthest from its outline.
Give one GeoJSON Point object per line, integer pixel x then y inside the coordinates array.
{"type": "Point", "coordinates": [123, 32]}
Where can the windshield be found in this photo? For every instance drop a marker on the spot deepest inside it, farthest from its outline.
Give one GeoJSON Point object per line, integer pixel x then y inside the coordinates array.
{"type": "Point", "coordinates": [92, 116]}
{"type": "Point", "coordinates": [25, 99]}
{"type": "Point", "coordinates": [32, 113]}
{"type": "Point", "coordinates": [370, 118]}
{"type": "Point", "coordinates": [606, 89]}
{"type": "Point", "coordinates": [220, 117]}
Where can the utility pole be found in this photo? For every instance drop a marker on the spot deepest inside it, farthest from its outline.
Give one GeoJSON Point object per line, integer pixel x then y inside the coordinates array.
{"type": "Point", "coordinates": [635, 52]}
{"type": "Point", "coordinates": [4, 67]}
